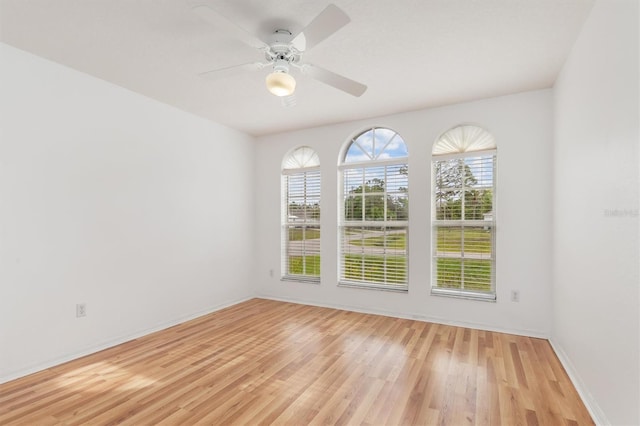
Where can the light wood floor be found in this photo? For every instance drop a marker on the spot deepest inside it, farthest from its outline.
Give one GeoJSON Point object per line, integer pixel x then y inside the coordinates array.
{"type": "Point", "coordinates": [264, 362]}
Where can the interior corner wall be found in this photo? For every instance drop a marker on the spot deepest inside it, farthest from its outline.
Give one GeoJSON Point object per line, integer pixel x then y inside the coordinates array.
{"type": "Point", "coordinates": [596, 328]}
{"type": "Point", "coordinates": [522, 125]}
{"type": "Point", "coordinates": [112, 199]}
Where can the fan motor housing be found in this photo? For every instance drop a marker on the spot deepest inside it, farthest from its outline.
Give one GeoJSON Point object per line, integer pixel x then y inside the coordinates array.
{"type": "Point", "coordinates": [281, 49]}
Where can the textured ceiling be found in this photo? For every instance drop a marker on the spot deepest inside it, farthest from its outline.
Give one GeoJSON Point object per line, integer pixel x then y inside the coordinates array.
{"type": "Point", "coordinates": [411, 53]}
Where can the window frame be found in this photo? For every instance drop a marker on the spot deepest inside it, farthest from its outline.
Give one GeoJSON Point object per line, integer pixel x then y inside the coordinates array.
{"type": "Point", "coordinates": [486, 154]}
{"type": "Point", "coordinates": [311, 176]}
{"type": "Point", "coordinates": [386, 226]}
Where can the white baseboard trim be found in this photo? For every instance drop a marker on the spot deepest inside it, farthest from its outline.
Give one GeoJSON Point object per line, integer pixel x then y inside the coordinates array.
{"type": "Point", "coordinates": [115, 341]}
{"type": "Point", "coordinates": [414, 316]}
{"type": "Point", "coordinates": [594, 409]}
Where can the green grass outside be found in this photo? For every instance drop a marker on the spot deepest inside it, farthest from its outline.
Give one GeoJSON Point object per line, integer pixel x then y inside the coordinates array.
{"type": "Point", "coordinates": [477, 274]}
{"type": "Point", "coordinates": [305, 265]}
{"type": "Point", "coordinates": [475, 240]}
{"type": "Point", "coordinates": [393, 241]}
{"type": "Point", "coordinates": [449, 239]}
{"type": "Point", "coordinates": [296, 234]}
{"type": "Point", "coordinates": [371, 268]}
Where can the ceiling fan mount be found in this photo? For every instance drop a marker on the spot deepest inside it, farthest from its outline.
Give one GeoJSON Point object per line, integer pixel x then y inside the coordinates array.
{"type": "Point", "coordinates": [281, 49]}
{"type": "Point", "coordinates": [284, 50]}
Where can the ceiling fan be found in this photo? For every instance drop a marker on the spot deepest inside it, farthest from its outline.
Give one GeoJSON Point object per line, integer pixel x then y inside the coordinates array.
{"type": "Point", "coordinates": [284, 51]}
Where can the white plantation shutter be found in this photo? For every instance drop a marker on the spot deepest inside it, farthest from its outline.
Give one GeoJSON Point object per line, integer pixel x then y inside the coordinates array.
{"type": "Point", "coordinates": [464, 139]}
{"type": "Point", "coordinates": [300, 158]}
{"type": "Point", "coordinates": [301, 215]}
{"type": "Point", "coordinates": [463, 218]}
{"type": "Point", "coordinates": [374, 212]}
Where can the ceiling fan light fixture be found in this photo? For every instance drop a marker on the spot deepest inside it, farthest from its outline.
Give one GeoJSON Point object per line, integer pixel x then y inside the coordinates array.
{"type": "Point", "coordinates": [283, 49]}
{"type": "Point", "coordinates": [280, 83]}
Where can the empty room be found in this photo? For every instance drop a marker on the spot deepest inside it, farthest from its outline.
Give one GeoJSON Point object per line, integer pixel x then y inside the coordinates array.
{"type": "Point", "coordinates": [312, 212]}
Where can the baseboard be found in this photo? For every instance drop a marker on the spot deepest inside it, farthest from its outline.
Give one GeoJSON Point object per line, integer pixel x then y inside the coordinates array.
{"type": "Point", "coordinates": [414, 316]}
{"type": "Point", "coordinates": [116, 341]}
{"type": "Point", "coordinates": [594, 409]}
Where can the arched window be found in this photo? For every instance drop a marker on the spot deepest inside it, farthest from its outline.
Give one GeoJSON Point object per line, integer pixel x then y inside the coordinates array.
{"type": "Point", "coordinates": [301, 215]}
{"type": "Point", "coordinates": [463, 213]}
{"type": "Point", "coordinates": [374, 211]}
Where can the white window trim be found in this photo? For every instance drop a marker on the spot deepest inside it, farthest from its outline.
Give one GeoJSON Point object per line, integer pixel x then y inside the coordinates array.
{"type": "Point", "coordinates": [346, 224]}
{"type": "Point", "coordinates": [287, 223]}
{"type": "Point", "coordinates": [490, 296]}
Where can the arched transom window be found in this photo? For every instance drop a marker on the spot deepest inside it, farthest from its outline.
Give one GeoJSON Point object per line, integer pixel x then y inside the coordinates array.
{"type": "Point", "coordinates": [374, 212]}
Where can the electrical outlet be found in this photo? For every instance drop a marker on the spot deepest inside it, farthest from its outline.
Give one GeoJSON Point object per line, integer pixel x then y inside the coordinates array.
{"type": "Point", "coordinates": [81, 310]}
{"type": "Point", "coordinates": [515, 295]}
{"type": "Point", "coordinates": [271, 273]}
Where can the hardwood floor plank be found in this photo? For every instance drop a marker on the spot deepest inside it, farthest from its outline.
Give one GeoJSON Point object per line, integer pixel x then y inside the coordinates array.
{"type": "Point", "coordinates": [267, 362]}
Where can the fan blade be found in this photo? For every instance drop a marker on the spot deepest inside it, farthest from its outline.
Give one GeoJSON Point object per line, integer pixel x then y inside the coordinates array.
{"type": "Point", "coordinates": [229, 71]}
{"type": "Point", "coordinates": [330, 20]}
{"type": "Point", "coordinates": [335, 80]}
{"type": "Point", "coordinates": [222, 23]}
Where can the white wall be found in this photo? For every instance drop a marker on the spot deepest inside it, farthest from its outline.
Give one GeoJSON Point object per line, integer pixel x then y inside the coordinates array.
{"type": "Point", "coordinates": [522, 125]}
{"type": "Point", "coordinates": [596, 258]}
{"type": "Point", "coordinates": [148, 214]}
{"type": "Point", "coordinates": [139, 210]}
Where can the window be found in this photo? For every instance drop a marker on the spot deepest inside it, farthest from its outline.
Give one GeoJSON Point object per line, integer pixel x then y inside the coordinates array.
{"type": "Point", "coordinates": [301, 215]}
{"type": "Point", "coordinates": [374, 206]}
{"type": "Point", "coordinates": [463, 213]}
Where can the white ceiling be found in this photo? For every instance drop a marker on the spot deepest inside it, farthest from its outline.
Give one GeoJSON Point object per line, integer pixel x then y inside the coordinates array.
{"type": "Point", "coordinates": [411, 53]}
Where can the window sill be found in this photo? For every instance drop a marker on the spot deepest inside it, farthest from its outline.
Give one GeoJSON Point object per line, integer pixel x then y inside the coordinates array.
{"type": "Point", "coordinates": [301, 279]}
{"type": "Point", "coordinates": [371, 286]}
{"type": "Point", "coordinates": [483, 297]}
